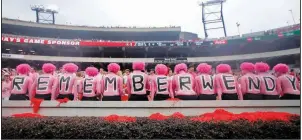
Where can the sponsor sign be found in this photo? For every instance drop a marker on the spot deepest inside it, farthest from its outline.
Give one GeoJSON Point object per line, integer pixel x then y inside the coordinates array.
{"type": "Point", "coordinates": [66, 42]}
{"type": "Point", "coordinates": [220, 42]}
{"type": "Point", "coordinates": [170, 60]}
{"type": "Point", "coordinates": [4, 55]}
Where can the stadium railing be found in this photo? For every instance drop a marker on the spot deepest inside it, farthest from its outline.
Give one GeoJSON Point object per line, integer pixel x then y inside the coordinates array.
{"type": "Point", "coordinates": [143, 109]}
{"type": "Point", "coordinates": [152, 60]}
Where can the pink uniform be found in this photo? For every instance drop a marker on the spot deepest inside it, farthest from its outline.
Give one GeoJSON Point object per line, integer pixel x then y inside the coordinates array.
{"type": "Point", "coordinates": [6, 89]}
{"type": "Point", "coordinates": [268, 84]}
{"type": "Point", "coordinates": [111, 85]}
{"type": "Point", "coordinates": [42, 84]}
{"type": "Point", "coordinates": [99, 76]}
{"type": "Point", "coordinates": [87, 86]}
{"type": "Point", "coordinates": [183, 84]}
{"type": "Point", "coordinates": [137, 83]}
{"type": "Point", "coordinates": [250, 83]}
{"type": "Point", "coordinates": [21, 84]}
{"type": "Point", "coordinates": [205, 84]}
{"type": "Point", "coordinates": [125, 78]}
{"type": "Point", "coordinates": [150, 79]}
{"type": "Point", "coordinates": [227, 84]}
{"type": "Point", "coordinates": [33, 75]}
{"type": "Point", "coordinates": [288, 84]}
{"type": "Point", "coordinates": [161, 85]}
{"type": "Point", "coordinates": [193, 74]}
{"type": "Point", "coordinates": [171, 78]}
{"type": "Point", "coordinates": [65, 85]}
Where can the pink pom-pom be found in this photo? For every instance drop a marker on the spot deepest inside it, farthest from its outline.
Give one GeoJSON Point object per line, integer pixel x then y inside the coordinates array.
{"type": "Point", "coordinates": [262, 67]}
{"type": "Point", "coordinates": [204, 68]}
{"type": "Point", "coordinates": [223, 68]}
{"type": "Point", "coordinates": [247, 66]}
{"type": "Point", "coordinates": [161, 69]}
{"type": "Point", "coordinates": [138, 66]}
{"type": "Point", "coordinates": [281, 68]}
{"type": "Point", "coordinates": [70, 67]}
{"type": "Point", "coordinates": [180, 67]}
{"type": "Point", "coordinates": [91, 71]}
{"type": "Point", "coordinates": [113, 67]}
{"type": "Point", "coordinates": [23, 69]}
{"type": "Point", "coordinates": [48, 68]}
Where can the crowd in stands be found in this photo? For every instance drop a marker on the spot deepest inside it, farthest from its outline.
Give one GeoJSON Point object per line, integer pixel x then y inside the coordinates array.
{"type": "Point", "coordinates": [70, 24]}
{"type": "Point", "coordinates": [268, 32]}
{"type": "Point", "coordinates": [284, 29]}
{"type": "Point", "coordinates": [253, 82]}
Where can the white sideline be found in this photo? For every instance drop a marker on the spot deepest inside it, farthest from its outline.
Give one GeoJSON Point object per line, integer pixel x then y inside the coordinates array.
{"type": "Point", "coordinates": [143, 109]}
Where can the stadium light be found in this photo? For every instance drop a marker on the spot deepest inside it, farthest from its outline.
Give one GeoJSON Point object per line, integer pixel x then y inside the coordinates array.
{"type": "Point", "coordinates": [291, 11]}
{"type": "Point", "coordinates": [41, 8]}
{"type": "Point", "coordinates": [211, 2]}
{"type": "Point", "coordinates": [238, 24]}
{"type": "Point", "coordinates": [218, 23]}
{"type": "Point", "coordinates": [50, 10]}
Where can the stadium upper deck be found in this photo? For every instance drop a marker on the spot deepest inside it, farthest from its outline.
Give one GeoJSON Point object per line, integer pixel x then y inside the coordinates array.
{"type": "Point", "coordinates": [18, 27]}
{"type": "Point", "coordinates": [32, 41]}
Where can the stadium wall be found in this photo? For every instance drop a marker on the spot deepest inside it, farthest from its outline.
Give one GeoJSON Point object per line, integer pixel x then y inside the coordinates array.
{"type": "Point", "coordinates": [144, 109]}
{"type": "Point", "coordinates": [153, 60]}
{"type": "Point", "coordinates": [87, 28]}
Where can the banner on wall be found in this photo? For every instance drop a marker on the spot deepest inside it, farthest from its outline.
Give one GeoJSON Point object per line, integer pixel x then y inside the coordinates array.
{"type": "Point", "coordinates": [170, 60]}
{"type": "Point", "coordinates": [179, 43]}
{"type": "Point", "coordinates": [66, 42]}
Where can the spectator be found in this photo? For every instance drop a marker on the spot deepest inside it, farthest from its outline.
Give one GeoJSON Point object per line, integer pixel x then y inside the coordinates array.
{"type": "Point", "coordinates": [86, 87]}
{"type": "Point", "coordinates": [112, 84]}
{"type": "Point", "coordinates": [21, 89]}
{"type": "Point", "coordinates": [43, 83]}
{"type": "Point", "coordinates": [126, 73]}
{"type": "Point", "coordinates": [287, 84]}
{"type": "Point", "coordinates": [6, 83]}
{"type": "Point", "coordinates": [183, 83]}
{"type": "Point", "coordinates": [160, 84]}
{"type": "Point", "coordinates": [292, 72]}
{"type": "Point", "coordinates": [137, 87]}
{"type": "Point", "coordinates": [192, 71]}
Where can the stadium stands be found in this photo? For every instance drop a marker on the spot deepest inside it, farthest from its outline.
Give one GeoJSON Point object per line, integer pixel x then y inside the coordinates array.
{"type": "Point", "coordinates": [69, 91]}
{"type": "Point", "coordinates": [150, 44]}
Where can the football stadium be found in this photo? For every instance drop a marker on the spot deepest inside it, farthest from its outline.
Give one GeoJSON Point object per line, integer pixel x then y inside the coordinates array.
{"type": "Point", "coordinates": [86, 82]}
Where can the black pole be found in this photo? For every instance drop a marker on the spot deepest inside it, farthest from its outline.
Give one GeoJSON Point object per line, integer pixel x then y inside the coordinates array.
{"type": "Point", "coordinates": [37, 16]}
{"type": "Point", "coordinates": [225, 34]}
{"type": "Point", "coordinates": [203, 21]}
{"type": "Point", "coordinates": [53, 18]}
